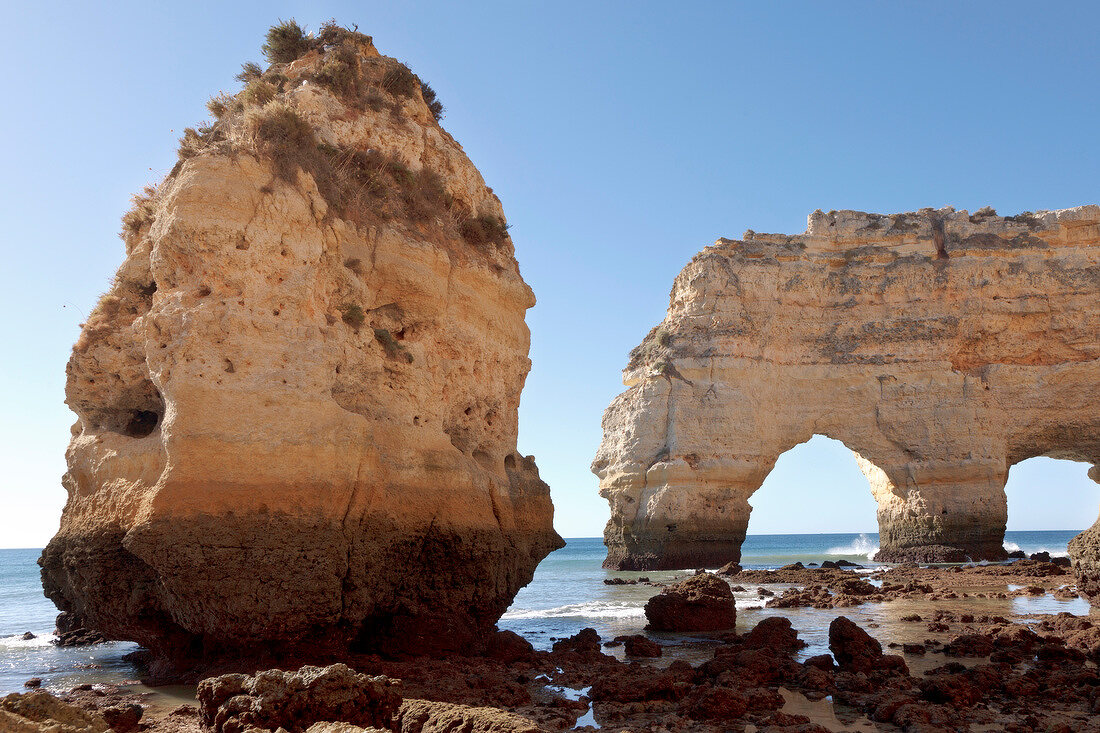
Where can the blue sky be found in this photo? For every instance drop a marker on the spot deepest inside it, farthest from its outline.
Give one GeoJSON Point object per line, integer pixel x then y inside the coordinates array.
{"type": "Point", "coordinates": [621, 137]}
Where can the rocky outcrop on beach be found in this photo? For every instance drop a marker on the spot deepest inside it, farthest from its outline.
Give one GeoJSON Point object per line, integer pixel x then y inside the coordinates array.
{"type": "Point", "coordinates": [940, 346]}
{"type": "Point", "coordinates": [699, 603]}
{"type": "Point", "coordinates": [293, 701]}
{"type": "Point", "coordinates": [41, 712]}
{"type": "Point", "coordinates": [298, 400]}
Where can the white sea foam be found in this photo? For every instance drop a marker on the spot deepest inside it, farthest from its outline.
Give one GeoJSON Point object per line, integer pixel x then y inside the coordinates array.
{"type": "Point", "coordinates": [18, 642]}
{"type": "Point", "coordinates": [1013, 547]}
{"type": "Point", "coordinates": [862, 546]}
{"type": "Point", "coordinates": [594, 609]}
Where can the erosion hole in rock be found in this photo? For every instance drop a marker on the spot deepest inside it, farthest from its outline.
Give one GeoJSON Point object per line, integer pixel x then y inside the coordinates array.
{"type": "Point", "coordinates": [840, 499]}
{"type": "Point", "coordinates": [141, 423]}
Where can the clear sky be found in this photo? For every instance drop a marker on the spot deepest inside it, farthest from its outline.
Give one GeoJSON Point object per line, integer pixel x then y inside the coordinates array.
{"type": "Point", "coordinates": [621, 137]}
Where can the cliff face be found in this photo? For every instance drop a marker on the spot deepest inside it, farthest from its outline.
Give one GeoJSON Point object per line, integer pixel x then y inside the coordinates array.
{"type": "Point", "coordinates": [941, 347]}
{"type": "Point", "coordinates": [298, 401]}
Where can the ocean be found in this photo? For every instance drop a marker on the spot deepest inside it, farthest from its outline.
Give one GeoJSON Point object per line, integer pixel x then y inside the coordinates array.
{"type": "Point", "coordinates": [566, 595]}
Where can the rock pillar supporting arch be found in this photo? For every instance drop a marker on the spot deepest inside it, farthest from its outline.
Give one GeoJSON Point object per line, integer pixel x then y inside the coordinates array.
{"type": "Point", "coordinates": [940, 346]}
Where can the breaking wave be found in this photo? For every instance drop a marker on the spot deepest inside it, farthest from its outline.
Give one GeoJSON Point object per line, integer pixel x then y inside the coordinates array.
{"type": "Point", "coordinates": [861, 546]}
{"type": "Point", "coordinates": [593, 609]}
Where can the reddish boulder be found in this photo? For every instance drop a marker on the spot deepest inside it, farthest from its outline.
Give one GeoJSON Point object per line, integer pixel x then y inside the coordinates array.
{"type": "Point", "coordinates": [699, 603]}
{"type": "Point", "coordinates": [639, 646]}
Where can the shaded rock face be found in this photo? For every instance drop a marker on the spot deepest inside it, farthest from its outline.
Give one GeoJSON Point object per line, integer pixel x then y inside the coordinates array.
{"type": "Point", "coordinates": [699, 603]}
{"type": "Point", "coordinates": [298, 401]}
{"type": "Point", "coordinates": [941, 347]}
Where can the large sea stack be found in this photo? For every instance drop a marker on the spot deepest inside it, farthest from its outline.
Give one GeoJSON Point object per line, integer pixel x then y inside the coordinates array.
{"type": "Point", "coordinates": [298, 400]}
{"type": "Point", "coordinates": [940, 346]}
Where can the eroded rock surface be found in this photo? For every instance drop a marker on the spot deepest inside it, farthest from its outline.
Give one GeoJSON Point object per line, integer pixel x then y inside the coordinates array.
{"type": "Point", "coordinates": [700, 603]}
{"type": "Point", "coordinates": [942, 347]}
{"type": "Point", "coordinates": [298, 401]}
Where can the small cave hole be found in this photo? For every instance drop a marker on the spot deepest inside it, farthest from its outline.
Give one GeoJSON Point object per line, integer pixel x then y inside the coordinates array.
{"type": "Point", "coordinates": [509, 461]}
{"type": "Point", "coordinates": [468, 410]}
{"type": "Point", "coordinates": [142, 423]}
{"type": "Point", "coordinates": [416, 420]}
{"type": "Point", "coordinates": [204, 291]}
{"type": "Point", "coordinates": [399, 334]}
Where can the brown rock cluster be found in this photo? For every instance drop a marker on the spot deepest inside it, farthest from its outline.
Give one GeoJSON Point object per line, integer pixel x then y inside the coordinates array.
{"type": "Point", "coordinates": [298, 400]}
{"type": "Point", "coordinates": [941, 347]}
{"type": "Point", "coordinates": [698, 603]}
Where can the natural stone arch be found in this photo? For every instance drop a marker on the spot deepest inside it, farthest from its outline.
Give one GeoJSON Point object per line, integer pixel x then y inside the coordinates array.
{"type": "Point", "coordinates": [815, 487]}
{"type": "Point", "coordinates": [940, 346]}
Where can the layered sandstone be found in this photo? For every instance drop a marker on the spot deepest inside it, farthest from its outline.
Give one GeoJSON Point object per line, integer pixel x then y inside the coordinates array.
{"type": "Point", "coordinates": [941, 347]}
{"type": "Point", "coordinates": [298, 401]}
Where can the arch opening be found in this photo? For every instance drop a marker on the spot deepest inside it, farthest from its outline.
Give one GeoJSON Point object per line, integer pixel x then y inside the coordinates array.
{"type": "Point", "coordinates": [1050, 501]}
{"type": "Point", "coordinates": [815, 502]}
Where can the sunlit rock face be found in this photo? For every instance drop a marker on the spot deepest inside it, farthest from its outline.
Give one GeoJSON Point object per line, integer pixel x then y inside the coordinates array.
{"type": "Point", "coordinates": [298, 401]}
{"type": "Point", "coordinates": [941, 347]}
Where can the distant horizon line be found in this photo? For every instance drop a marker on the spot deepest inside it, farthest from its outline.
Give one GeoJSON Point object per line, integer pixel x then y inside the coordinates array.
{"type": "Point", "coordinates": [750, 534]}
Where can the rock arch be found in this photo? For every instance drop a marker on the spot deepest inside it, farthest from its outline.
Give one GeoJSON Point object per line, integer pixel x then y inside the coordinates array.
{"type": "Point", "coordinates": [941, 347]}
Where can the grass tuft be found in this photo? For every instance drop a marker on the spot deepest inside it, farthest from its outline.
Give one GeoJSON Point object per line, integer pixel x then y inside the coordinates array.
{"type": "Point", "coordinates": [352, 314]}
{"type": "Point", "coordinates": [393, 347]}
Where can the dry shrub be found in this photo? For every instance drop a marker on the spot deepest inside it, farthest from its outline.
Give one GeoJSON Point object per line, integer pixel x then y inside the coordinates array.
{"type": "Point", "coordinates": [286, 41]}
{"type": "Point", "coordinates": [285, 138]}
{"type": "Point", "coordinates": [484, 229]}
{"type": "Point", "coordinates": [399, 81]}
{"type": "Point", "coordinates": [430, 99]}
{"type": "Point", "coordinates": [368, 185]}
{"type": "Point", "coordinates": [332, 34]}
{"type": "Point", "coordinates": [141, 211]}
{"type": "Point", "coordinates": [340, 71]}
{"type": "Point", "coordinates": [221, 105]}
{"type": "Point", "coordinates": [258, 92]}
{"type": "Point", "coordinates": [249, 70]}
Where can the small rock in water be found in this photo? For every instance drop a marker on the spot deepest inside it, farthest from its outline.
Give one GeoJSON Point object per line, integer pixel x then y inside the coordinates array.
{"type": "Point", "coordinates": [33, 682]}
{"type": "Point", "coordinates": [28, 636]}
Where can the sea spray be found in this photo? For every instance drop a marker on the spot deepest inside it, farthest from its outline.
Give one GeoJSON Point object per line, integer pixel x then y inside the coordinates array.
{"type": "Point", "coordinates": [862, 546]}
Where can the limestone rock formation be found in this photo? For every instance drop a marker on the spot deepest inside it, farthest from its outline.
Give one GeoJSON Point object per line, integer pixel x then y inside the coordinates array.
{"type": "Point", "coordinates": [298, 400]}
{"type": "Point", "coordinates": [942, 347]}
